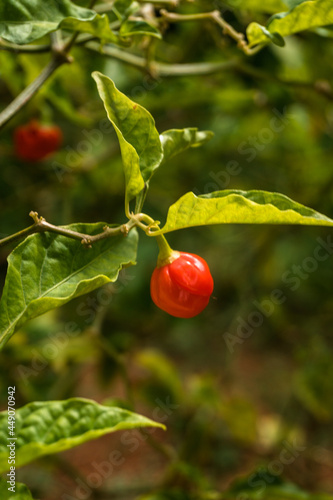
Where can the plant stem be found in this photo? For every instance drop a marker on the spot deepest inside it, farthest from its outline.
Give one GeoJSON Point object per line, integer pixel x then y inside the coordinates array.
{"type": "Point", "coordinates": [18, 236]}
{"type": "Point", "coordinates": [162, 69]}
{"type": "Point", "coordinates": [170, 3]}
{"type": "Point", "coordinates": [166, 254]}
{"type": "Point", "coordinates": [24, 97]}
{"type": "Point", "coordinates": [140, 199]}
{"type": "Point", "coordinates": [172, 17]}
{"type": "Point", "coordinates": [41, 226]}
{"type": "Point", "coordinates": [216, 17]}
{"type": "Point", "coordinates": [72, 39]}
{"type": "Point", "coordinates": [106, 7]}
{"type": "Point", "coordinates": [60, 57]}
{"type": "Point", "coordinates": [70, 42]}
{"type": "Point", "coordinates": [56, 41]}
{"type": "Point", "coordinates": [322, 88]}
{"type": "Point", "coordinates": [21, 49]}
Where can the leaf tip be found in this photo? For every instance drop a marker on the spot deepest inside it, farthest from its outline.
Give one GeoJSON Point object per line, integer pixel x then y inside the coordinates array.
{"type": "Point", "coordinates": [96, 74]}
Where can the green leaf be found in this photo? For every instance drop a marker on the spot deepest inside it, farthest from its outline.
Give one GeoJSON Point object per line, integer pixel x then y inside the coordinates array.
{"type": "Point", "coordinates": [23, 21]}
{"type": "Point", "coordinates": [21, 492]}
{"type": "Point", "coordinates": [46, 427]}
{"type": "Point", "coordinates": [257, 32]}
{"type": "Point", "coordinates": [122, 9]}
{"type": "Point", "coordinates": [269, 6]}
{"type": "Point", "coordinates": [135, 27]}
{"type": "Point", "coordinates": [239, 207]}
{"type": "Point", "coordinates": [140, 145]}
{"type": "Point", "coordinates": [176, 141]}
{"type": "Point", "coordinates": [306, 15]}
{"type": "Point", "coordinates": [47, 270]}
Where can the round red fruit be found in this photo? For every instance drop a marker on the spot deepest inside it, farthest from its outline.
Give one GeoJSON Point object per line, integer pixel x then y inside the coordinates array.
{"type": "Point", "coordinates": [34, 141]}
{"type": "Point", "coordinates": [183, 286]}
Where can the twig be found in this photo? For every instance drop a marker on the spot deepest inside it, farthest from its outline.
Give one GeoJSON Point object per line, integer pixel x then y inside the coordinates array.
{"type": "Point", "coordinates": [60, 57]}
{"type": "Point", "coordinates": [24, 97]}
{"type": "Point", "coordinates": [106, 7]}
{"type": "Point", "coordinates": [21, 49]}
{"type": "Point", "coordinates": [322, 88]}
{"type": "Point", "coordinates": [41, 225]}
{"type": "Point", "coordinates": [162, 69]}
{"type": "Point", "coordinates": [173, 17]}
{"type": "Point", "coordinates": [170, 3]}
{"type": "Point", "coordinates": [56, 42]}
{"type": "Point", "coordinates": [216, 17]}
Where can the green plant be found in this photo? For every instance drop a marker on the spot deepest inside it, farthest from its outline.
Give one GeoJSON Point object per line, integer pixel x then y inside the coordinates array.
{"type": "Point", "coordinates": [142, 153]}
{"type": "Point", "coordinates": [56, 264]}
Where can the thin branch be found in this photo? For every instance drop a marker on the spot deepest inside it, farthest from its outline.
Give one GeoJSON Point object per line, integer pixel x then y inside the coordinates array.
{"type": "Point", "coordinates": [161, 69]}
{"type": "Point", "coordinates": [24, 97]}
{"type": "Point", "coordinates": [70, 42]}
{"type": "Point", "coordinates": [192, 69]}
{"type": "Point", "coordinates": [140, 199]}
{"type": "Point", "coordinates": [107, 7]}
{"type": "Point", "coordinates": [230, 31]}
{"type": "Point", "coordinates": [157, 69]}
{"type": "Point", "coordinates": [216, 17]}
{"type": "Point", "coordinates": [72, 39]}
{"type": "Point", "coordinates": [18, 236]}
{"type": "Point", "coordinates": [41, 225]}
{"type": "Point", "coordinates": [60, 57]}
{"type": "Point", "coordinates": [173, 17]}
{"type": "Point", "coordinates": [56, 41]}
{"type": "Point", "coordinates": [21, 49]}
{"type": "Point", "coordinates": [170, 3]}
{"type": "Point", "coordinates": [321, 87]}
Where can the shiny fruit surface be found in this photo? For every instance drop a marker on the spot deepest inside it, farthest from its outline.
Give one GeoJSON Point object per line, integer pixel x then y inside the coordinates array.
{"type": "Point", "coordinates": [183, 287]}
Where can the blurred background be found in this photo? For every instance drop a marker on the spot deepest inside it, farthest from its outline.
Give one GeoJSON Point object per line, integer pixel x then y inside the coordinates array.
{"type": "Point", "coordinates": [246, 388]}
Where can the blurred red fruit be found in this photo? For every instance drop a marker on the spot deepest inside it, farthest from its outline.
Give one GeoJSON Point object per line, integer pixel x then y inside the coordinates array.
{"type": "Point", "coordinates": [34, 142]}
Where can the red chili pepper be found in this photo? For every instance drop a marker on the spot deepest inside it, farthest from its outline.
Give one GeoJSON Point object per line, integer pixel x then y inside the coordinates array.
{"type": "Point", "coordinates": [183, 286]}
{"type": "Point", "coordinates": [34, 142]}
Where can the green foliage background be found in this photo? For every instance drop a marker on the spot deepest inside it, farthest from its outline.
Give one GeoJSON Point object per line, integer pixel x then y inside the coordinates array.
{"type": "Point", "coordinates": [238, 407]}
